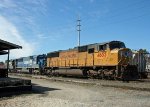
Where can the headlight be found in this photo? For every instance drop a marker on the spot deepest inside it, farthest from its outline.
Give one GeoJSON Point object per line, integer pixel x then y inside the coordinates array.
{"type": "Point", "coordinates": [126, 53]}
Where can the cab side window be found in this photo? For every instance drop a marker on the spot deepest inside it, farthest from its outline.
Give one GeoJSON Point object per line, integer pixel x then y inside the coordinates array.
{"type": "Point", "coordinates": [82, 49]}
{"type": "Point", "coordinates": [91, 50]}
{"type": "Point", "coordinates": [102, 47]}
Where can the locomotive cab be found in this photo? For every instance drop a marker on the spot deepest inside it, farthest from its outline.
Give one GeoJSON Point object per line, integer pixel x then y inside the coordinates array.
{"type": "Point", "coordinates": [123, 56]}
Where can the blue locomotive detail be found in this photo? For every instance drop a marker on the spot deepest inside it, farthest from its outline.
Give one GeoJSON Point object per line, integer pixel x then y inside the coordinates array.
{"type": "Point", "coordinates": [30, 64]}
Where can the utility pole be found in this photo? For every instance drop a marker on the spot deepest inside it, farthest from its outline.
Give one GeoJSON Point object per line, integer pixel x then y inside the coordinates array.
{"type": "Point", "coordinates": [78, 29]}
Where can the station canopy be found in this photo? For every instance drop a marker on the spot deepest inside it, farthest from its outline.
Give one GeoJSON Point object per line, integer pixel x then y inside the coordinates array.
{"type": "Point", "coordinates": [3, 52]}
{"type": "Point", "coordinates": [4, 45]}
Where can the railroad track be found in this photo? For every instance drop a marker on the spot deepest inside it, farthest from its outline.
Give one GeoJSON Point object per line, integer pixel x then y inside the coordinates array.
{"type": "Point", "coordinates": [138, 85]}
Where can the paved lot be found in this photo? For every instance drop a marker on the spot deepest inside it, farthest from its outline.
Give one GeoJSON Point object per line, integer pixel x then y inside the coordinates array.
{"type": "Point", "coordinates": [47, 93]}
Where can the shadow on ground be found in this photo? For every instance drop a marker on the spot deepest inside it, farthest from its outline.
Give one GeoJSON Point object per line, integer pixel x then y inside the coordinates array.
{"type": "Point", "coordinates": [36, 89]}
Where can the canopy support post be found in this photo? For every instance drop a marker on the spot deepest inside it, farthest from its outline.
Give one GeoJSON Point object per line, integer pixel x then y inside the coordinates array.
{"type": "Point", "coordinates": [7, 63]}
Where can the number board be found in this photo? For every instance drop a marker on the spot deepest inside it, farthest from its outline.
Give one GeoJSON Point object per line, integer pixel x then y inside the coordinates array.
{"type": "Point", "coordinates": [101, 55]}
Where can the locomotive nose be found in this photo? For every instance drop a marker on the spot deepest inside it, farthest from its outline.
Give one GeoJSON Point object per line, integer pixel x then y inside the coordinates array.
{"type": "Point", "coordinates": [125, 53]}
{"type": "Point", "coordinates": [125, 56]}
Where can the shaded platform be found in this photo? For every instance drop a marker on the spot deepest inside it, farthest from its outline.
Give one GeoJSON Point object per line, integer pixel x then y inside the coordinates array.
{"type": "Point", "coordinates": [3, 72]}
{"type": "Point", "coordinates": [11, 84]}
{"type": "Point", "coordinates": [5, 48]}
{"type": "Point", "coordinates": [14, 84]}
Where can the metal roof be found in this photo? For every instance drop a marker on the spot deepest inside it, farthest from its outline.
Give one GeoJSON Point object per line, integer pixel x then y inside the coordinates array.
{"type": "Point", "coordinates": [3, 52]}
{"type": "Point", "coordinates": [4, 45]}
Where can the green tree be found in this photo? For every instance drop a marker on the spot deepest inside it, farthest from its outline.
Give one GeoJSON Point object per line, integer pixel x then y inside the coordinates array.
{"type": "Point", "coordinates": [143, 51]}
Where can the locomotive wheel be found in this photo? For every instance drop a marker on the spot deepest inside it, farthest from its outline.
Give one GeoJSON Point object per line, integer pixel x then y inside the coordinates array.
{"type": "Point", "coordinates": [102, 74]}
{"type": "Point", "coordinates": [84, 72]}
{"type": "Point", "coordinates": [115, 75]}
{"type": "Point", "coordinates": [49, 72]}
{"type": "Point", "coordinates": [124, 74]}
{"type": "Point", "coordinates": [90, 75]}
{"type": "Point", "coordinates": [99, 74]}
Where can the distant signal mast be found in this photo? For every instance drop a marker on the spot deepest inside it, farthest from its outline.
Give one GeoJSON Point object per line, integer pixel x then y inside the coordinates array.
{"type": "Point", "coordinates": [78, 30]}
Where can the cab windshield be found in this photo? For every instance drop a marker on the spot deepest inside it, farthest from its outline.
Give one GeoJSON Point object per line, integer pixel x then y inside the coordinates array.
{"type": "Point", "coordinates": [114, 45]}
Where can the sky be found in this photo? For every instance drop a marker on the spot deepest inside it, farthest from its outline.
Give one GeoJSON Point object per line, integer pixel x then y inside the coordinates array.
{"type": "Point", "coordinates": [42, 26]}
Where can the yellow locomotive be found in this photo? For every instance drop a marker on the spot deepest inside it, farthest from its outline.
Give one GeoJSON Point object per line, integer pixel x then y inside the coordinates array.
{"type": "Point", "coordinates": [103, 60]}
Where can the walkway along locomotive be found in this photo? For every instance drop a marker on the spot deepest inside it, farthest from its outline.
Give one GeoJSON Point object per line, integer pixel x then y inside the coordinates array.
{"type": "Point", "coordinates": [108, 60]}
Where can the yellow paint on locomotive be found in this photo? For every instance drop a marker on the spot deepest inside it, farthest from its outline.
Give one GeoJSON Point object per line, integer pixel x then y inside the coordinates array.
{"type": "Point", "coordinates": [106, 58]}
{"type": "Point", "coordinates": [73, 58]}
{"type": "Point", "coordinates": [68, 58]}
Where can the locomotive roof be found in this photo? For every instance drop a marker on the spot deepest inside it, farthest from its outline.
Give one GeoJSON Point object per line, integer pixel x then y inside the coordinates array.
{"type": "Point", "coordinates": [103, 43]}
{"type": "Point", "coordinates": [3, 52]}
{"type": "Point", "coordinates": [88, 45]}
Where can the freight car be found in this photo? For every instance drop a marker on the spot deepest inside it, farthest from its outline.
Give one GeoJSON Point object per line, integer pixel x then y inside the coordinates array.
{"type": "Point", "coordinates": [108, 60]}
{"type": "Point", "coordinates": [140, 59]}
{"type": "Point", "coordinates": [30, 64]}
